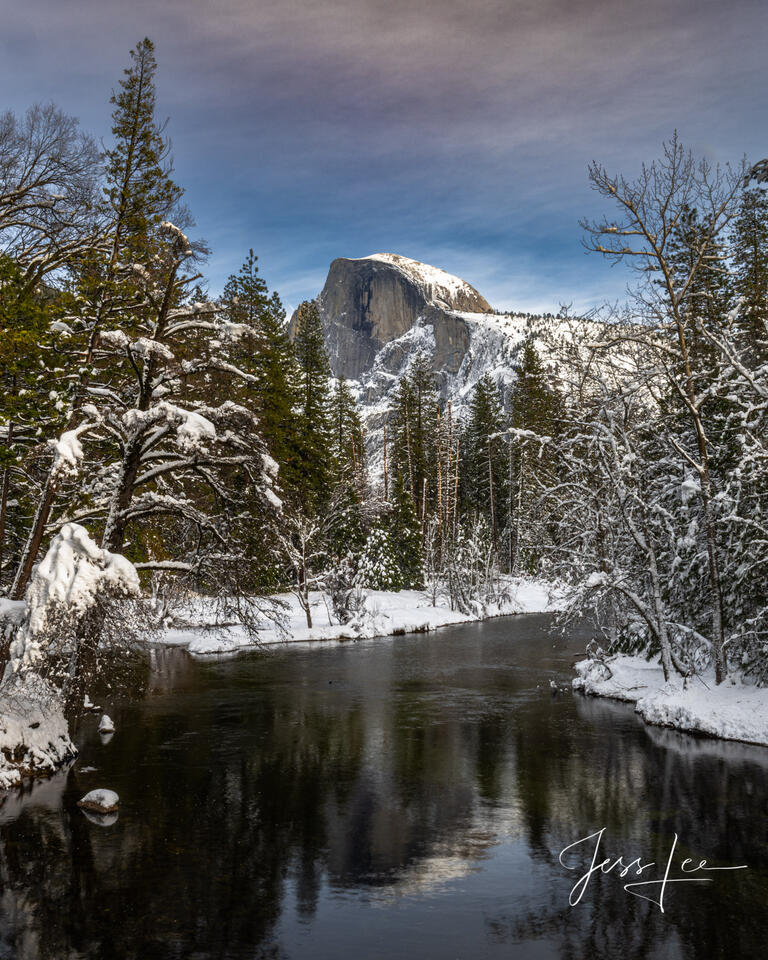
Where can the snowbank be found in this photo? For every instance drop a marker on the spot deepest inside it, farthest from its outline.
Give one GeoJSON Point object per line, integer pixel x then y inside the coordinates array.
{"type": "Point", "coordinates": [34, 737]}
{"type": "Point", "coordinates": [730, 710]}
{"type": "Point", "coordinates": [385, 613]}
{"type": "Point", "coordinates": [11, 615]}
{"type": "Point", "coordinates": [71, 574]}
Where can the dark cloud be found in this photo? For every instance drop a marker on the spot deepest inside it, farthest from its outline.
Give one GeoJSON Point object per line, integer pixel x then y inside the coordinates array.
{"type": "Point", "coordinates": [453, 130]}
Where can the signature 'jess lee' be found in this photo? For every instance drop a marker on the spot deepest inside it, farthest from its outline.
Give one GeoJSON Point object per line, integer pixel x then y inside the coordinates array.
{"type": "Point", "coordinates": [636, 868]}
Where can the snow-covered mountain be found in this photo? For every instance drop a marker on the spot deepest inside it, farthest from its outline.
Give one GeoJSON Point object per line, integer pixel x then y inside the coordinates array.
{"type": "Point", "coordinates": [380, 312]}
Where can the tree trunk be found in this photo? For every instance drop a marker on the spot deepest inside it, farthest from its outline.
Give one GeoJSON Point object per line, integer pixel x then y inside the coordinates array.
{"type": "Point", "coordinates": [4, 499]}
{"type": "Point", "coordinates": [34, 538]}
{"type": "Point", "coordinates": [114, 530]}
{"type": "Point", "coordinates": [718, 639]}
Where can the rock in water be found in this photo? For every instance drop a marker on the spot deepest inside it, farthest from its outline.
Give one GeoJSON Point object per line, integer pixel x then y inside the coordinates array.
{"type": "Point", "coordinates": [100, 801]}
{"type": "Point", "coordinates": [106, 725]}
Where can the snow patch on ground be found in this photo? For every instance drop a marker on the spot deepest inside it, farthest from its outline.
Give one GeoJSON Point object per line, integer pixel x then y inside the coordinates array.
{"type": "Point", "coordinates": [385, 613]}
{"type": "Point", "coordinates": [730, 710]}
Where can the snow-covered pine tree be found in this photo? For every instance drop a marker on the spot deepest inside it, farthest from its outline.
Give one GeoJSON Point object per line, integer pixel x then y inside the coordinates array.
{"type": "Point", "coordinates": [268, 355]}
{"type": "Point", "coordinates": [30, 403]}
{"type": "Point", "coordinates": [535, 418]}
{"type": "Point", "coordinates": [378, 566]}
{"type": "Point", "coordinates": [173, 474]}
{"type": "Point", "coordinates": [139, 194]}
{"type": "Point", "coordinates": [314, 468]}
{"type": "Point", "coordinates": [348, 438]}
{"type": "Point", "coordinates": [484, 459]}
{"type": "Point", "coordinates": [350, 481]}
{"type": "Point", "coordinates": [414, 432]}
{"type": "Point", "coordinates": [670, 565]}
{"type": "Point", "coordinates": [749, 244]}
{"type": "Point", "coordinates": [649, 210]}
{"type": "Point", "coordinates": [405, 531]}
{"type": "Point", "coordinates": [705, 307]}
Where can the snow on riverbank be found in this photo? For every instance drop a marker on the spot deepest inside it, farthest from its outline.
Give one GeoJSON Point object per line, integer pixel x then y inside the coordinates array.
{"type": "Point", "coordinates": [74, 573]}
{"type": "Point", "coordinates": [34, 737]}
{"type": "Point", "coordinates": [730, 710]}
{"type": "Point", "coordinates": [386, 614]}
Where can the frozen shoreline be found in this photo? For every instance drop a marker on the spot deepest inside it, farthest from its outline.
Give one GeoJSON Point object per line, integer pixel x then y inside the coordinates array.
{"type": "Point", "coordinates": [386, 614]}
{"type": "Point", "coordinates": [730, 711]}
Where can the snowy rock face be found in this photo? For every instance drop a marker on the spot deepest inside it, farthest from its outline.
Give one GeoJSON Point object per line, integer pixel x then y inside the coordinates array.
{"type": "Point", "coordinates": [380, 312]}
{"type": "Point", "coordinates": [365, 304]}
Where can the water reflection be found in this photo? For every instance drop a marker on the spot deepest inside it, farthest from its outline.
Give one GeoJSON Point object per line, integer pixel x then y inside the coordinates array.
{"type": "Point", "coordinates": [405, 797]}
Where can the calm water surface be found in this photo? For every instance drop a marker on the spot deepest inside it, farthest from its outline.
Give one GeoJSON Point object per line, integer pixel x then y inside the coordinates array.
{"type": "Point", "coordinates": [399, 798]}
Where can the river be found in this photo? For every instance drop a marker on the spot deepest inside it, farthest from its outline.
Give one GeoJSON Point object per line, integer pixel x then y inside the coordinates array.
{"type": "Point", "coordinates": [405, 797]}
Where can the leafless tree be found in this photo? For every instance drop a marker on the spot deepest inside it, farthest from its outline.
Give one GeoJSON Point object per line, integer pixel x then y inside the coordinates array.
{"type": "Point", "coordinates": [49, 182]}
{"type": "Point", "coordinates": [651, 211]}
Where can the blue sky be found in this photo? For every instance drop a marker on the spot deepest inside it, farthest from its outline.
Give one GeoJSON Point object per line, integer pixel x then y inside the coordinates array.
{"type": "Point", "coordinates": [457, 132]}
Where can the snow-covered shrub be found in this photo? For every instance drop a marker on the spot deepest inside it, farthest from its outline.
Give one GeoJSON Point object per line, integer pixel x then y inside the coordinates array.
{"type": "Point", "coordinates": [471, 570]}
{"type": "Point", "coordinates": [81, 606]}
{"type": "Point", "coordinates": [378, 568]}
{"type": "Point", "coordinates": [371, 619]}
{"type": "Point", "coordinates": [34, 736]}
{"type": "Point", "coordinates": [346, 594]}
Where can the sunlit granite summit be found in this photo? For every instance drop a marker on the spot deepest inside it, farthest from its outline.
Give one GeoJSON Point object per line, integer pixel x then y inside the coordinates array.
{"type": "Point", "coordinates": [367, 303]}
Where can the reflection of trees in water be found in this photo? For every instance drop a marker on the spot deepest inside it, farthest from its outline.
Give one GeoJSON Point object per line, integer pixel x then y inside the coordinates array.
{"type": "Point", "coordinates": [644, 787]}
{"type": "Point", "coordinates": [297, 790]}
{"type": "Point", "coordinates": [254, 784]}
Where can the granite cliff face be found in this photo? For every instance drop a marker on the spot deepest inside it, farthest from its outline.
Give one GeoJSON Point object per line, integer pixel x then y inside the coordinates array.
{"type": "Point", "coordinates": [368, 303]}
{"type": "Point", "coordinates": [380, 312]}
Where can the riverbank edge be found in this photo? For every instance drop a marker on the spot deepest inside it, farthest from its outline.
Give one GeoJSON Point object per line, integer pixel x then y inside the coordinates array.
{"type": "Point", "coordinates": [728, 711]}
{"type": "Point", "coordinates": [385, 614]}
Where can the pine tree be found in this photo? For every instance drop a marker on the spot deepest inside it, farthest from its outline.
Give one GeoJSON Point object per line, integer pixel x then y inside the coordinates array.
{"type": "Point", "coordinates": [536, 414]}
{"type": "Point", "coordinates": [140, 191]}
{"type": "Point", "coordinates": [699, 263]}
{"type": "Point", "coordinates": [378, 568]}
{"type": "Point", "coordinates": [350, 477]}
{"type": "Point", "coordinates": [414, 424]}
{"type": "Point", "coordinates": [30, 399]}
{"type": "Point", "coordinates": [348, 442]}
{"type": "Point", "coordinates": [750, 267]}
{"type": "Point", "coordinates": [405, 532]}
{"type": "Point", "coordinates": [345, 527]}
{"type": "Point", "coordinates": [315, 467]}
{"type": "Point", "coordinates": [268, 355]}
{"type": "Point", "coordinates": [110, 285]}
{"type": "Point", "coordinates": [484, 473]}
{"type": "Point", "coordinates": [705, 310]}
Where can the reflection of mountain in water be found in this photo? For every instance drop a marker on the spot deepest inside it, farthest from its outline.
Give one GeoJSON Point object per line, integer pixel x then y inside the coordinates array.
{"type": "Point", "coordinates": [426, 771]}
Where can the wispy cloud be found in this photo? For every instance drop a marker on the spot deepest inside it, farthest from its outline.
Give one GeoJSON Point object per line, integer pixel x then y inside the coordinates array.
{"type": "Point", "coordinates": [451, 130]}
